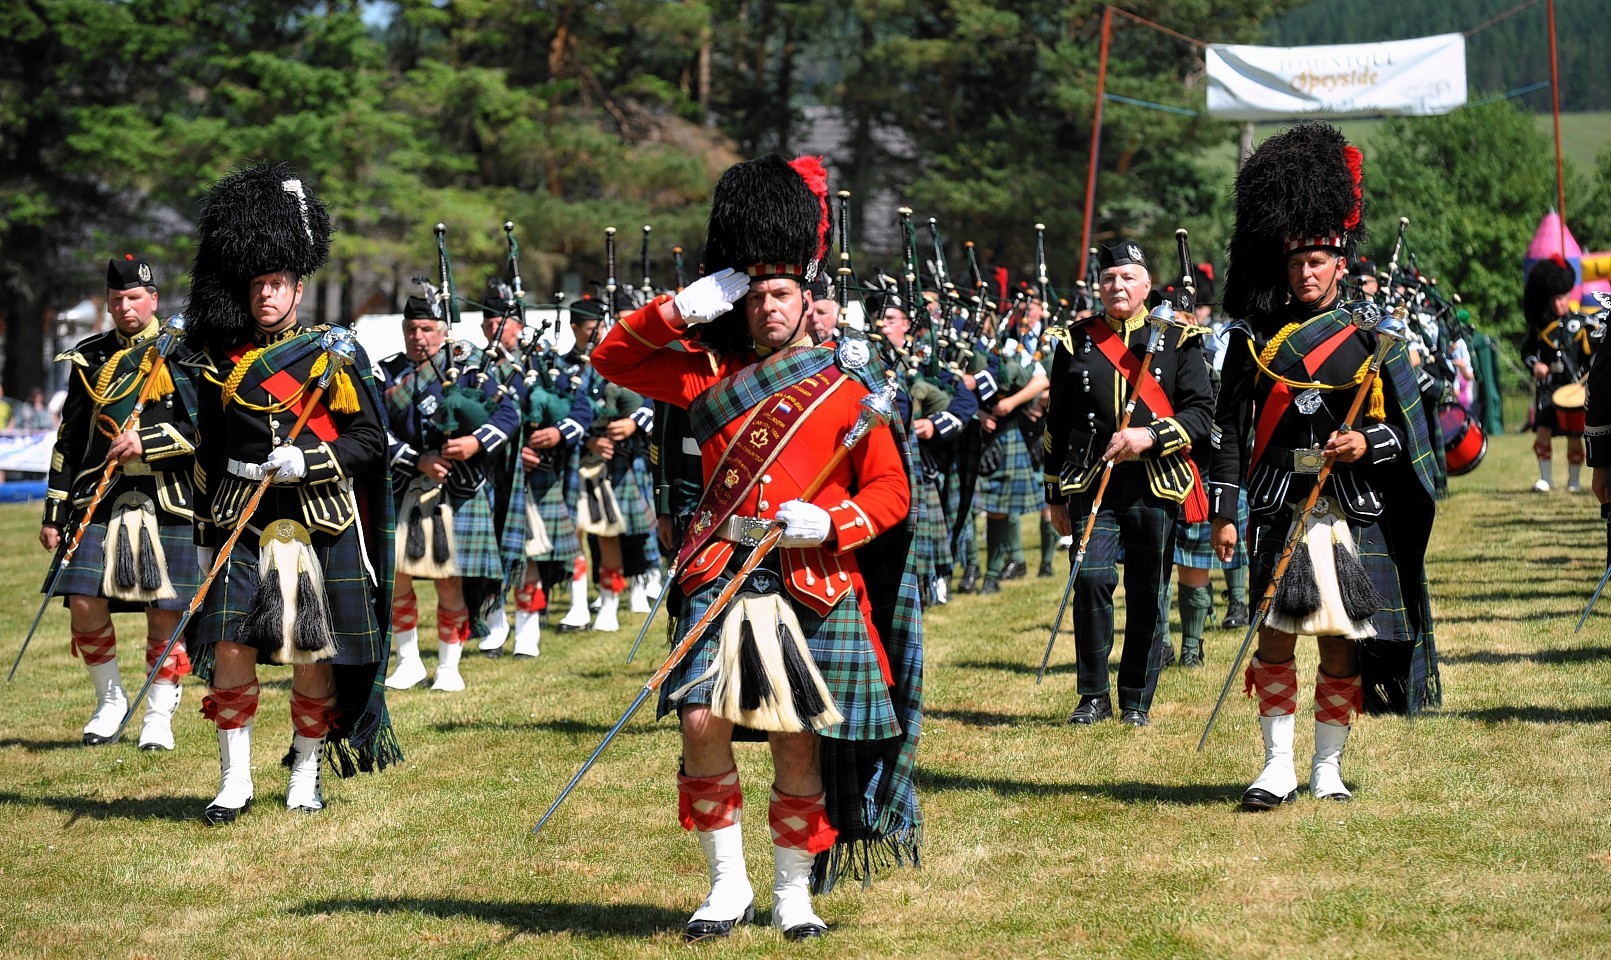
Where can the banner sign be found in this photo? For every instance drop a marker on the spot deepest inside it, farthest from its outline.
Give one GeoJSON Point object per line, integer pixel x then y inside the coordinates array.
{"type": "Point", "coordinates": [1416, 78]}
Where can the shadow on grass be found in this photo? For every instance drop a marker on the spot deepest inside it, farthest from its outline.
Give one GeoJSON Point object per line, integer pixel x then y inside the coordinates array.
{"type": "Point", "coordinates": [123, 808]}
{"type": "Point", "coordinates": [1177, 794]}
{"type": "Point", "coordinates": [42, 746]}
{"type": "Point", "coordinates": [579, 919]}
{"type": "Point", "coordinates": [1014, 666]}
{"type": "Point", "coordinates": [572, 727]}
{"type": "Point", "coordinates": [985, 718]}
{"type": "Point", "coordinates": [1568, 655]}
{"type": "Point", "coordinates": [1536, 714]}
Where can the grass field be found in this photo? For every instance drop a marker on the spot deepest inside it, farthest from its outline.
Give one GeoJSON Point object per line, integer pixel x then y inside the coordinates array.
{"type": "Point", "coordinates": [1479, 830]}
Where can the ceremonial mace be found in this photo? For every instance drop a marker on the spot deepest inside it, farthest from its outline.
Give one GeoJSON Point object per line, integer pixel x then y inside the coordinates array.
{"type": "Point", "coordinates": [172, 331]}
{"type": "Point", "coordinates": [1388, 330]}
{"type": "Point", "coordinates": [1160, 320]}
{"type": "Point", "coordinates": [341, 350]}
{"type": "Point", "coordinates": [878, 409]}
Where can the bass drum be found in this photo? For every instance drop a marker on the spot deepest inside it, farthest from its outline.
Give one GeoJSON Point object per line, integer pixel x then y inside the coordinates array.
{"type": "Point", "coordinates": [1464, 443]}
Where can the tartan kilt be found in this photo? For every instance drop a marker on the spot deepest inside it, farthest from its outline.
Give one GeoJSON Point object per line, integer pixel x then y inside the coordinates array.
{"type": "Point", "coordinates": [1269, 534]}
{"type": "Point", "coordinates": [475, 539]}
{"type": "Point", "coordinates": [359, 638]}
{"type": "Point", "coordinates": [1193, 542]}
{"type": "Point", "coordinates": [634, 494]}
{"type": "Point", "coordinates": [839, 645]}
{"type": "Point", "coordinates": [1015, 488]}
{"type": "Point", "coordinates": [513, 547]}
{"type": "Point", "coordinates": [83, 577]}
{"type": "Point", "coordinates": [932, 549]}
{"type": "Point", "coordinates": [547, 487]}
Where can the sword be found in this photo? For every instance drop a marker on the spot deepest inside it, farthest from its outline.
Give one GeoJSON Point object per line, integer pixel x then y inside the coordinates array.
{"type": "Point", "coordinates": [654, 611]}
{"type": "Point", "coordinates": [340, 347]}
{"type": "Point", "coordinates": [1388, 329]}
{"type": "Point", "coordinates": [171, 333]}
{"type": "Point", "coordinates": [877, 409]}
{"type": "Point", "coordinates": [1605, 514]}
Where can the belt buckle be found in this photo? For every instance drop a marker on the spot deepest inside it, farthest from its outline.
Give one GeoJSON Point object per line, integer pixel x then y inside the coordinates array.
{"type": "Point", "coordinates": [1308, 461]}
{"type": "Point", "coordinates": [746, 531]}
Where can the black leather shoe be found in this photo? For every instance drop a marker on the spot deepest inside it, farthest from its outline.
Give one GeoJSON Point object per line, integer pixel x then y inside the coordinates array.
{"type": "Point", "coordinates": [1235, 615]}
{"type": "Point", "coordinates": [1191, 656]}
{"type": "Point", "coordinates": [1046, 570]}
{"type": "Point", "coordinates": [1166, 654]}
{"type": "Point", "coordinates": [991, 585]}
{"type": "Point", "coordinates": [1092, 709]}
{"type": "Point", "coordinates": [217, 816]}
{"type": "Point", "coordinates": [969, 581]}
{"type": "Point", "coordinates": [96, 740]}
{"type": "Point", "coordinates": [493, 654]}
{"type": "Point", "coordinates": [1135, 718]}
{"type": "Point", "coordinates": [805, 931]}
{"type": "Point", "coordinates": [698, 930]}
{"type": "Point", "coordinates": [1014, 571]}
{"type": "Point", "coordinates": [1255, 799]}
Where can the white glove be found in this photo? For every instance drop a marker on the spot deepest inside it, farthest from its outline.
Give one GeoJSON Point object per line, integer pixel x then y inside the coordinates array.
{"type": "Point", "coordinates": [804, 524]}
{"type": "Point", "coordinates": [709, 297]}
{"type": "Point", "coordinates": [290, 463]}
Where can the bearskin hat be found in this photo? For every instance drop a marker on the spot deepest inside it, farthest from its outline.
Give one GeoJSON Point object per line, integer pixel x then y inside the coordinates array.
{"type": "Point", "coordinates": [1301, 189]}
{"type": "Point", "coordinates": [1547, 280]}
{"type": "Point", "coordinates": [258, 220]}
{"type": "Point", "coordinates": [769, 219]}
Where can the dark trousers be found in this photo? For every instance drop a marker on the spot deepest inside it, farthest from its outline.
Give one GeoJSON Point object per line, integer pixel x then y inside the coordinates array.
{"type": "Point", "coordinates": [1144, 526]}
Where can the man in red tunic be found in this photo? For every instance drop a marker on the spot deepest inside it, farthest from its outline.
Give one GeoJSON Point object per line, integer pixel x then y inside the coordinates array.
{"type": "Point", "coordinates": [768, 408]}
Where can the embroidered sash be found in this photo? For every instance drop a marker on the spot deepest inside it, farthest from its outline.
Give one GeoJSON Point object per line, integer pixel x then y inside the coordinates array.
{"type": "Point", "coordinates": [770, 425]}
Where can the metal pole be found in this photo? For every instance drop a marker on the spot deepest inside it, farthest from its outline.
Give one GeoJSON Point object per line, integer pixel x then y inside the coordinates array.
{"type": "Point", "coordinates": [1096, 133]}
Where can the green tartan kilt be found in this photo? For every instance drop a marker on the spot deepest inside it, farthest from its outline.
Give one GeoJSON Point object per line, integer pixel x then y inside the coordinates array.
{"type": "Point", "coordinates": [839, 645]}
{"type": "Point", "coordinates": [359, 639]}
{"type": "Point", "coordinates": [547, 487]}
{"type": "Point", "coordinates": [633, 483]}
{"type": "Point", "coordinates": [932, 549]}
{"type": "Point", "coordinates": [1267, 537]}
{"type": "Point", "coordinates": [83, 577]}
{"type": "Point", "coordinates": [1015, 488]}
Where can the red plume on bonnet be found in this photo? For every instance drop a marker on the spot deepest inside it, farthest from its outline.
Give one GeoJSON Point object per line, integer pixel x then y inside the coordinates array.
{"type": "Point", "coordinates": [815, 176]}
{"type": "Point", "coordinates": [1356, 169]}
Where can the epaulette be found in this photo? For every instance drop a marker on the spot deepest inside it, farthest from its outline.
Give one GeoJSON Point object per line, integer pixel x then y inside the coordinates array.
{"type": "Point", "coordinates": [1239, 326]}
{"type": "Point", "coordinates": [198, 360]}
{"type": "Point", "coordinates": [75, 357]}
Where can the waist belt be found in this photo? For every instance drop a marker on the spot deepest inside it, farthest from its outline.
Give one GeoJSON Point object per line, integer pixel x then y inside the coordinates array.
{"type": "Point", "coordinates": [248, 471]}
{"type": "Point", "coordinates": [1306, 462]}
{"type": "Point", "coordinates": [746, 531]}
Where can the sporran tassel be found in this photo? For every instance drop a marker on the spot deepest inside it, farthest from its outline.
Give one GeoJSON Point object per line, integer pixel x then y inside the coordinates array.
{"type": "Point", "coordinates": [312, 629]}
{"type": "Point", "coordinates": [264, 623]}
{"type": "Point", "coordinates": [753, 686]}
{"type": "Point", "coordinates": [150, 566]}
{"type": "Point", "coordinates": [124, 573]}
{"type": "Point", "coordinates": [439, 537]}
{"type": "Point", "coordinates": [1359, 596]}
{"type": "Point", "coordinates": [1298, 596]}
{"type": "Point", "coordinates": [415, 545]}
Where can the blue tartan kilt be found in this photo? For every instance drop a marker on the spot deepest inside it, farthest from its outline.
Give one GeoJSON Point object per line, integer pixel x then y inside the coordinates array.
{"type": "Point", "coordinates": [513, 547]}
{"type": "Point", "coordinates": [1193, 542]}
{"type": "Point", "coordinates": [932, 547]}
{"type": "Point", "coordinates": [1015, 488]}
{"type": "Point", "coordinates": [547, 487]}
{"type": "Point", "coordinates": [83, 577]}
{"type": "Point", "coordinates": [840, 646]}
{"type": "Point", "coordinates": [634, 494]}
{"type": "Point", "coordinates": [359, 639]}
